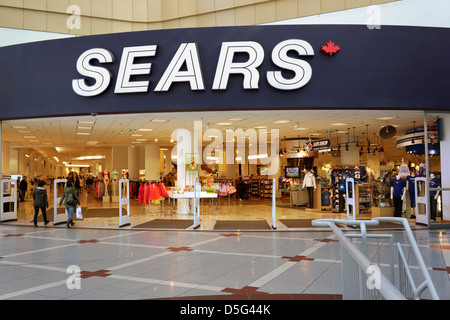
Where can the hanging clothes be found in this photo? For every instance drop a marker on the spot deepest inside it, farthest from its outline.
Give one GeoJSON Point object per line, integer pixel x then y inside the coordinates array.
{"type": "Point", "coordinates": [146, 192]}
{"type": "Point", "coordinates": [163, 190]}
{"type": "Point", "coordinates": [141, 193]}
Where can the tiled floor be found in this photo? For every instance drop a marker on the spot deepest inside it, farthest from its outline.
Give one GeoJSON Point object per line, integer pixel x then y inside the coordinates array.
{"type": "Point", "coordinates": [129, 264]}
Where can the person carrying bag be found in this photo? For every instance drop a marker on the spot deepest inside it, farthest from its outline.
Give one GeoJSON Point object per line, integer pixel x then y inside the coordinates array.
{"type": "Point", "coordinates": [70, 199]}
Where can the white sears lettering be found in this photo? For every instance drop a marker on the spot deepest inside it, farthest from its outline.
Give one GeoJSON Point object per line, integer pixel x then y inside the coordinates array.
{"type": "Point", "coordinates": [101, 75]}
{"type": "Point", "coordinates": [302, 69]}
{"type": "Point", "coordinates": [187, 54]}
{"type": "Point", "coordinates": [128, 68]}
{"type": "Point", "coordinates": [226, 66]}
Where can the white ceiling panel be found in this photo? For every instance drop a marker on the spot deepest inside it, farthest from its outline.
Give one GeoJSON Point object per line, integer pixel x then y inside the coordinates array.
{"type": "Point", "coordinates": [118, 130]}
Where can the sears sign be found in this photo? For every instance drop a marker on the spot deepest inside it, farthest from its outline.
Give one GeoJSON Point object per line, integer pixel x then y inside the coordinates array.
{"type": "Point", "coordinates": [186, 67]}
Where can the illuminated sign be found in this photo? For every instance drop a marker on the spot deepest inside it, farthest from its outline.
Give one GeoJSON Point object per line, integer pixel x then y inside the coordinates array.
{"type": "Point", "coordinates": [185, 66]}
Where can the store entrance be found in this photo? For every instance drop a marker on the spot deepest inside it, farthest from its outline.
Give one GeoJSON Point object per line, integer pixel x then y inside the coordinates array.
{"type": "Point", "coordinates": [313, 153]}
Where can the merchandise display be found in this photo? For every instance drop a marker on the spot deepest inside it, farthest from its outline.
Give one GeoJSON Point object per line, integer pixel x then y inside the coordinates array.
{"type": "Point", "coordinates": [398, 189]}
{"type": "Point", "coordinates": [434, 183]}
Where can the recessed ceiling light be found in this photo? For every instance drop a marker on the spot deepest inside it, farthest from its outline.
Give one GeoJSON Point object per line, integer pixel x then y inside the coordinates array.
{"type": "Point", "coordinates": [92, 142]}
{"type": "Point", "coordinates": [19, 127]}
{"type": "Point", "coordinates": [143, 129]}
{"type": "Point", "coordinates": [159, 120]}
{"type": "Point", "coordinates": [282, 121]}
{"type": "Point", "coordinates": [86, 122]}
{"type": "Point", "coordinates": [235, 119]}
{"type": "Point", "coordinates": [339, 124]}
{"type": "Point", "coordinates": [85, 128]}
{"type": "Point", "coordinates": [141, 139]}
{"type": "Point", "coordinates": [83, 133]}
{"type": "Point", "coordinates": [224, 123]}
{"type": "Point", "coordinates": [261, 127]}
{"type": "Point", "coordinates": [23, 131]}
{"type": "Point", "coordinates": [29, 137]}
{"type": "Point", "coordinates": [301, 129]}
{"type": "Point", "coordinates": [136, 135]}
{"type": "Point", "coordinates": [385, 118]}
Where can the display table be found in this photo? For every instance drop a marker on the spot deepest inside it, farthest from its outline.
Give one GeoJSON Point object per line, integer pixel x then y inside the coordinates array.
{"type": "Point", "coordinates": [298, 198]}
{"type": "Point", "coordinates": [382, 212]}
{"type": "Point", "coordinates": [190, 195]}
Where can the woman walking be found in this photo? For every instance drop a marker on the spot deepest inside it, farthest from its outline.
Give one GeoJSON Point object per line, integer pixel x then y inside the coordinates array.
{"type": "Point", "coordinates": [70, 199]}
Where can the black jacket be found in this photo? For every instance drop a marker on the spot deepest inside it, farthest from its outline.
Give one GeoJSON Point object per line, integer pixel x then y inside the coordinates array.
{"type": "Point", "coordinates": [40, 197]}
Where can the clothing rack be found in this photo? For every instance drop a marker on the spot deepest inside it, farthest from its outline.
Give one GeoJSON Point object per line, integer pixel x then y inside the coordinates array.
{"type": "Point", "coordinates": [161, 193]}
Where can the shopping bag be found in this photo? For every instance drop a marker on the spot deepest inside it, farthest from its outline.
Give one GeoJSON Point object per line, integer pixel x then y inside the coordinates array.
{"type": "Point", "coordinates": [79, 214]}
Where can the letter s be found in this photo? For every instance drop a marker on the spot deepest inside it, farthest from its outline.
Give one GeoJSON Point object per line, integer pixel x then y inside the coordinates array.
{"type": "Point", "coordinates": [102, 76]}
{"type": "Point", "coordinates": [302, 69]}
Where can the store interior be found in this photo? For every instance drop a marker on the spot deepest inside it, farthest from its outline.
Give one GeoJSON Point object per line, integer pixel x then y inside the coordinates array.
{"type": "Point", "coordinates": [372, 147]}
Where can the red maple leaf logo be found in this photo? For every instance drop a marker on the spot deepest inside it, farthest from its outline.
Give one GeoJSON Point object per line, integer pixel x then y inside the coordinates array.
{"type": "Point", "coordinates": [330, 48]}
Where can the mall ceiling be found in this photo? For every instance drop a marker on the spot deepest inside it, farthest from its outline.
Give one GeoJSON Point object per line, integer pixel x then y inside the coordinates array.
{"type": "Point", "coordinates": [70, 137]}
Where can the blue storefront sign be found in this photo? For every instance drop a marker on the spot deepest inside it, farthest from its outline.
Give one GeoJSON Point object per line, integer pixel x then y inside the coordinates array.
{"type": "Point", "coordinates": [228, 68]}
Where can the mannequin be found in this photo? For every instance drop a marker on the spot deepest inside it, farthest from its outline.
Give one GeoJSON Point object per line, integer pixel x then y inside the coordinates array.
{"type": "Point", "coordinates": [115, 181]}
{"type": "Point", "coordinates": [398, 190]}
{"type": "Point", "coordinates": [434, 183]}
{"type": "Point", "coordinates": [106, 181]}
{"type": "Point", "coordinates": [310, 183]}
{"type": "Point", "coordinates": [412, 193]}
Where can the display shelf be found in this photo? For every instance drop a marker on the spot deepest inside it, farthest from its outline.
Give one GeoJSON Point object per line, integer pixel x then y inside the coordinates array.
{"type": "Point", "coordinates": [365, 198]}
{"type": "Point", "coordinates": [265, 188]}
{"type": "Point", "coordinates": [254, 188]}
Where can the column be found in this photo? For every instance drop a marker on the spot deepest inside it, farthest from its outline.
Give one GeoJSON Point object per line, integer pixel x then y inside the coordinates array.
{"type": "Point", "coordinates": [133, 163]}
{"type": "Point", "coordinates": [186, 144]}
{"type": "Point", "coordinates": [152, 162]}
{"type": "Point", "coordinates": [445, 169]}
{"type": "Point", "coordinates": [5, 147]}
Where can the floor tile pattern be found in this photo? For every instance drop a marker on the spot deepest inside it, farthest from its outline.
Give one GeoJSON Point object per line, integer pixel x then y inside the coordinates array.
{"type": "Point", "coordinates": [38, 263]}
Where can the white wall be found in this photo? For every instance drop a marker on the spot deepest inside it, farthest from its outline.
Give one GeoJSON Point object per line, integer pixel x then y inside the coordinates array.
{"type": "Point", "coordinates": [420, 13]}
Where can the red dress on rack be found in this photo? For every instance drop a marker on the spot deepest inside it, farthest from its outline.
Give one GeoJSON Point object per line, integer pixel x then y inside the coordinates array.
{"type": "Point", "coordinates": [141, 193]}
{"type": "Point", "coordinates": [163, 190]}
{"type": "Point", "coordinates": [147, 193]}
{"type": "Point", "coordinates": [155, 194]}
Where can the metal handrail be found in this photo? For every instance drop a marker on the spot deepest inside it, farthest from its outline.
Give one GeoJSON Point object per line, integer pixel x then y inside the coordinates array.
{"type": "Point", "coordinates": [386, 289]}
{"type": "Point", "coordinates": [428, 283]}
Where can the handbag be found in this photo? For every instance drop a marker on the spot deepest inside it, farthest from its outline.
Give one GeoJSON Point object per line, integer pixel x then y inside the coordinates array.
{"type": "Point", "coordinates": [79, 214]}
